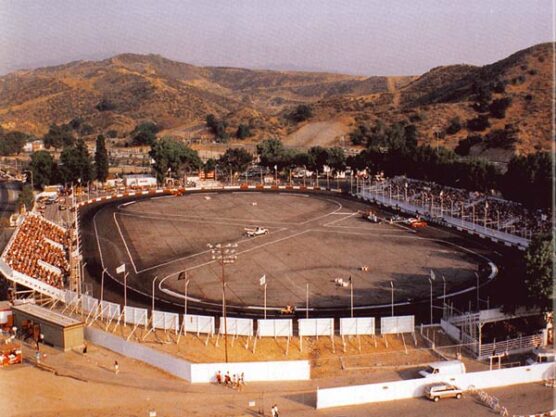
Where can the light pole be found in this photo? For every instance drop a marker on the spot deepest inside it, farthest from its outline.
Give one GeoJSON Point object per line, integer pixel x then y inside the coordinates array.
{"type": "Point", "coordinates": [152, 294]}
{"type": "Point", "coordinates": [276, 174]}
{"type": "Point", "coordinates": [185, 277]}
{"type": "Point", "coordinates": [430, 282]}
{"type": "Point", "coordinates": [102, 285]}
{"type": "Point", "coordinates": [443, 293]}
{"type": "Point", "coordinates": [83, 265]}
{"type": "Point", "coordinates": [224, 254]}
{"type": "Point", "coordinates": [392, 298]}
{"type": "Point", "coordinates": [351, 290]}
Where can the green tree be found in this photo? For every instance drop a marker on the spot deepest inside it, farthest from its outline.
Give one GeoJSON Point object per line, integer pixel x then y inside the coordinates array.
{"type": "Point", "coordinates": [26, 197]}
{"type": "Point", "coordinates": [218, 127]}
{"type": "Point", "coordinates": [76, 163]}
{"type": "Point", "coordinates": [12, 142]}
{"type": "Point", "coordinates": [58, 137]}
{"type": "Point", "coordinates": [271, 152]}
{"type": "Point", "coordinates": [499, 106]}
{"type": "Point", "coordinates": [43, 168]}
{"type": "Point", "coordinates": [235, 159]}
{"type": "Point", "coordinates": [145, 134]}
{"type": "Point", "coordinates": [539, 273]}
{"type": "Point", "coordinates": [101, 159]}
{"type": "Point", "coordinates": [318, 157]}
{"type": "Point", "coordinates": [301, 113]}
{"type": "Point", "coordinates": [243, 131]}
{"type": "Point", "coordinates": [336, 159]}
{"type": "Point", "coordinates": [173, 158]}
{"type": "Point", "coordinates": [209, 165]}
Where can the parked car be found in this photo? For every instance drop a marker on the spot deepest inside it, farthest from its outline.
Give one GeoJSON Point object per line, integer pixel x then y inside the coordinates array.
{"type": "Point", "coordinates": [542, 355]}
{"type": "Point", "coordinates": [435, 392]}
{"type": "Point", "coordinates": [443, 368]}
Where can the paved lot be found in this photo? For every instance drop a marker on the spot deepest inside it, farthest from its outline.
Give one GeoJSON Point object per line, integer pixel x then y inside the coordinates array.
{"type": "Point", "coordinates": [312, 240]}
{"type": "Point", "coordinates": [86, 385]}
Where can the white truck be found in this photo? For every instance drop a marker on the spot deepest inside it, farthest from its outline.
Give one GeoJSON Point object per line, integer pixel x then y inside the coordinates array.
{"type": "Point", "coordinates": [257, 231]}
{"type": "Point", "coordinates": [443, 368]}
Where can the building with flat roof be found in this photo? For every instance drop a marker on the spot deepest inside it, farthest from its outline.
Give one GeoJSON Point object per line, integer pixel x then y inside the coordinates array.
{"type": "Point", "coordinates": [58, 329]}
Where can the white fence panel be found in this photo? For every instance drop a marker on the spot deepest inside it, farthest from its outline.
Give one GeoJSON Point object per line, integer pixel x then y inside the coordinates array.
{"type": "Point", "coordinates": [89, 303]}
{"type": "Point", "coordinates": [316, 327]}
{"type": "Point", "coordinates": [199, 324]}
{"type": "Point", "coordinates": [237, 327]}
{"type": "Point", "coordinates": [275, 328]}
{"type": "Point", "coordinates": [397, 324]}
{"type": "Point", "coordinates": [109, 310]}
{"type": "Point", "coordinates": [71, 297]}
{"type": "Point", "coordinates": [357, 326]}
{"type": "Point", "coordinates": [134, 315]}
{"type": "Point", "coordinates": [165, 321]}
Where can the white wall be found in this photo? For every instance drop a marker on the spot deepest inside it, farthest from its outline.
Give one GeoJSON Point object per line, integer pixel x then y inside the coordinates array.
{"type": "Point", "coordinates": [362, 394]}
{"type": "Point", "coordinates": [174, 366]}
{"type": "Point", "coordinates": [254, 371]}
{"type": "Point", "coordinates": [200, 372]}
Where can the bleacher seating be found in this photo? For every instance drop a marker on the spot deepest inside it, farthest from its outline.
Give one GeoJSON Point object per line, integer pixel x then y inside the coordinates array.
{"type": "Point", "coordinates": [31, 245]}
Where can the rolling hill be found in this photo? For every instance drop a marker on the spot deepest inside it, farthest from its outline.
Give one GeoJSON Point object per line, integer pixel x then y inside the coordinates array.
{"type": "Point", "coordinates": [119, 92]}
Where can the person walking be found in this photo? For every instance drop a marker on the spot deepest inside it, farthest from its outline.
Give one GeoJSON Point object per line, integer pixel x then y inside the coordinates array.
{"type": "Point", "coordinates": [116, 367]}
{"type": "Point", "coordinates": [218, 377]}
{"type": "Point", "coordinates": [274, 411]}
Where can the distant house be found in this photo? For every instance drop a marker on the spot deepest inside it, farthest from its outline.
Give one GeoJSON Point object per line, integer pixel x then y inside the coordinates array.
{"type": "Point", "coordinates": [34, 146]}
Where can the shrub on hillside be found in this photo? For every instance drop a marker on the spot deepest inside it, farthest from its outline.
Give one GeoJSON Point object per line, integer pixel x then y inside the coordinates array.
{"type": "Point", "coordinates": [464, 145]}
{"type": "Point", "coordinates": [454, 126]}
{"type": "Point", "coordinates": [498, 107]}
{"type": "Point", "coordinates": [478, 124]}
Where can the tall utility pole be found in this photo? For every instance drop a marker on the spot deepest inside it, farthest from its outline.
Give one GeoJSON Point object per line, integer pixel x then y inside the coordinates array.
{"type": "Point", "coordinates": [224, 254]}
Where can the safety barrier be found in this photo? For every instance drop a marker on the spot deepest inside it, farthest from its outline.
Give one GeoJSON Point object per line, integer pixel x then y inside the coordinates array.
{"type": "Point", "coordinates": [413, 388]}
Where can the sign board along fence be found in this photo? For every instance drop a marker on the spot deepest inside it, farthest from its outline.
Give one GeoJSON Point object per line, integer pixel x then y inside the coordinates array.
{"type": "Point", "coordinates": [316, 327]}
{"type": "Point", "coordinates": [275, 328]}
{"type": "Point", "coordinates": [357, 326]}
{"type": "Point", "coordinates": [397, 324]}
{"type": "Point", "coordinates": [165, 321]}
{"type": "Point", "coordinates": [89, 303]}
{"type": "Point", "coordinates": [199, 324]}
{"type": "Point", "coordinates": [71, 298]}
{"type": "Point", "coordinates": [236, 327]}
{"type": "Point", "coordinates": [109, 310]}
{"type": "Point", "coordinates": [137, 316]}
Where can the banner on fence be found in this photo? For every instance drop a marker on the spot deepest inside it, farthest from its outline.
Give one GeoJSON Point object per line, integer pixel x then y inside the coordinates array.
{"type": "Point", "coordinates": [199, 324]}
{"type": "Point", "coordinates": [134, 315]}
{"type": "Point", "coordinates": [316, 327]}
{"type": "Point", "coordinates": [109, 310]}
{"type": "Point", "coordinates": [275, 328]}
{"type": "Point", "coordinates": [71, 297]}
{"type": "Point", "coordinates": [89, 303]}
{"type": "Point", "coordinates": [237, 327]}
{"type": "Point", "coordinates": [165, 321]}
{"type": "Point", "coordinates": [357, 326]}
{"type": "Point", "coordinates": [397, 324]}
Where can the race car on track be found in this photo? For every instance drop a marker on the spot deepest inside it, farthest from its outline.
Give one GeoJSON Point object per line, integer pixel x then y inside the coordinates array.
{"type": "Point", "coordinates": [257, 231]}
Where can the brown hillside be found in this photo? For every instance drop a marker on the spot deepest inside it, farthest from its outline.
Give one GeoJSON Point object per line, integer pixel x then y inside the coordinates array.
{"type": "Point", "coordinates": [178, 96]}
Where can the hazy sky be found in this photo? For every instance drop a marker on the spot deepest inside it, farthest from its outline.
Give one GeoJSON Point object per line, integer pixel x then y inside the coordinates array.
{"type": "Point", "coordinates": [382, 37]}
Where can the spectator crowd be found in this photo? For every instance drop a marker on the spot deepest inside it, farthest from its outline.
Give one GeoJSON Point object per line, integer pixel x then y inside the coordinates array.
{"type": "Point", "coordinates": [482, 209]}
{"type": "Point", "coordinates": [39, 250]}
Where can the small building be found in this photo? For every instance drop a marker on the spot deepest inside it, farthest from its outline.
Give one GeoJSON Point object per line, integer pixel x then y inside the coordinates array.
{"type": "Point", "coordinates": [59, 330]}
{"type": "Point", "coordinates": [34, 146]}
{"type": "Point", "coordinates": [139, 180]}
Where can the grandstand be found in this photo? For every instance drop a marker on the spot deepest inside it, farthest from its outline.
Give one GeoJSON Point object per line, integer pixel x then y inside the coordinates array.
{"type": "Point", "coordinates": [483, 209]}
{"type": "Point", "coordinates": [40, 249]}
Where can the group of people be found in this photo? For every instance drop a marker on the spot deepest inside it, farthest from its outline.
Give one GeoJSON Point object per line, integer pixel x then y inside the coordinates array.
{"type": "Point", "coordinates": [234, 381]}
{"type": "Point", "coordinates": [39, 240]}
{"type": "Point", "coordinates": [475, 207]}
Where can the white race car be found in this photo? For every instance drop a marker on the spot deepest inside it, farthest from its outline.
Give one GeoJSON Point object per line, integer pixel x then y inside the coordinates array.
{"type": "Point", "coordinates": [257, 231]}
